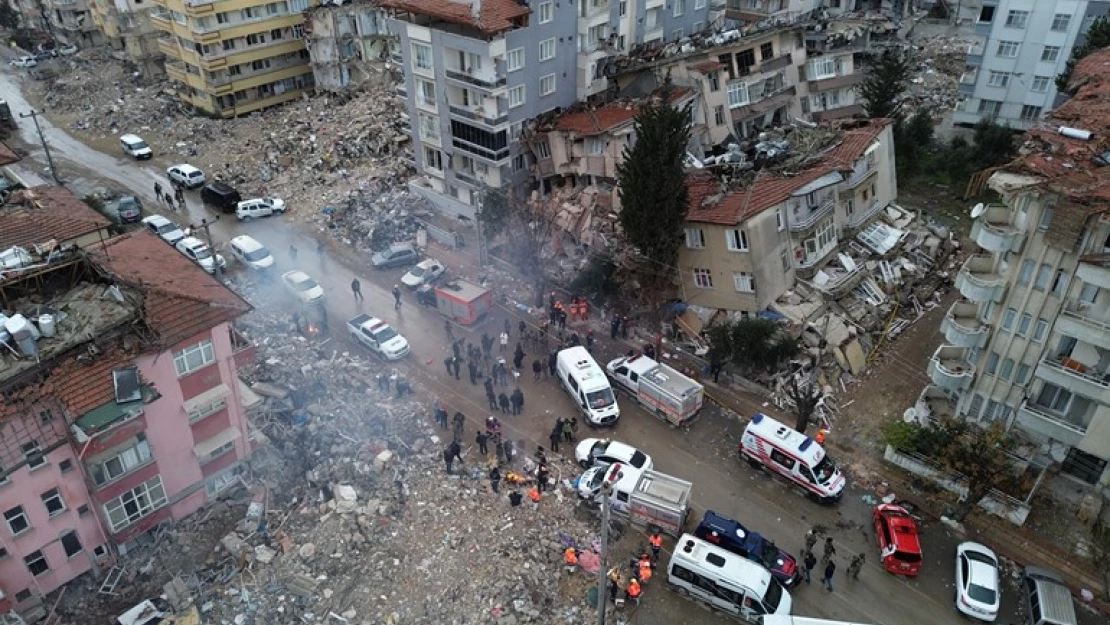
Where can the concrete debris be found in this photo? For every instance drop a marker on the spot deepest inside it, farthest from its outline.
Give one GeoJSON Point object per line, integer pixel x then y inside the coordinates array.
{"type": "Point", "coordinates": [939, 62]}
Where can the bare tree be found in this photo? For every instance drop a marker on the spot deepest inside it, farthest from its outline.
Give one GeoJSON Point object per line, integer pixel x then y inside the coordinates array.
{"type": "Point", "coordinates": [805, 397]}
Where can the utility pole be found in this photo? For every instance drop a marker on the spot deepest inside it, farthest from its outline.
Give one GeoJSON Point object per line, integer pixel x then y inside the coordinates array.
{"type": "Point", "coordinates": [207, 226]}
{"type": "Point", "coordinates": [478, 215]}
{"type": "Point", "coordinates": [34, 115]}
{"type": "Point", "coordinates": [602, 572]}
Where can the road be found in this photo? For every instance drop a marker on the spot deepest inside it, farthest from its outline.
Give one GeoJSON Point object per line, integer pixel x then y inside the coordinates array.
{"type": "Point", "coordinates": [704, 455]}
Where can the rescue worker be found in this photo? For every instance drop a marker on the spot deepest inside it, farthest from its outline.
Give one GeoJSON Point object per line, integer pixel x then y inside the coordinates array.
{"type": "Point", "coordinates": [656, 540]}
{"type": "Point", "coordinates": [573, 308]}
{"type": "Point", "coordinates": [495, 479]}
{"type": "Point", "coordinates": [490, 395]}
{"type": "Point", "coordinates": [634, 590]}
{"type": "Point", "coordinates": [821, 434]}
{"type": "Point", "coordinates": [503, 401]}
{"type": "Point", "coordinates": [583, 310]}
{"type": "Point", "coordinates": [645, 569]}
{"type": "Point", "coordinates": [570, 557]}
{"type": "Point", "coordinates": [480, 438]}
{"type": "Point", "coordinates": [534, 494]}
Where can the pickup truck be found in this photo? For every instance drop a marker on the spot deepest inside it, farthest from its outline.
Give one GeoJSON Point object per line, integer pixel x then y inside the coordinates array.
{"type": "Point", "coordinates": [662, 390]}
{"type": "Point", "coordinates": [379, 336]}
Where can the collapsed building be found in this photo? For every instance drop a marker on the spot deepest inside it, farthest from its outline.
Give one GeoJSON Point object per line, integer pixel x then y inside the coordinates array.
{"type": "Point", "coordinates": [349, 45]}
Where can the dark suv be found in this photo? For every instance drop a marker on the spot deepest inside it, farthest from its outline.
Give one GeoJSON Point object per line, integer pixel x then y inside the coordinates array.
{"type": "Point", "coordinates": [221, 195]}
{"type": "Point", "coordinates": [730, 535]}
{"type": "Point", "coordinates": [129, 209]}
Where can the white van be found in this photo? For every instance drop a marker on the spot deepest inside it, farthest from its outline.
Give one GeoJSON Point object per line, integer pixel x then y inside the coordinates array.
{"type": "Point", "coordinates": [623, 477]}
{"type": "Point", "coordinates": [725, 581]}
{"type": "Point", "coordinates": [768, 444]}
{"type": "Point", "coordinates": [251, 253]}
{"type": "Point", "coordinates": [586, 383]}
{"type": "Point", "coordinates": [1046, 598]}
{"type": "Point", "coordinates": [135, 147]}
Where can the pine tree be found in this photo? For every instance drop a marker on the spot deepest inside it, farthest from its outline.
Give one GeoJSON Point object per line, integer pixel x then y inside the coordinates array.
{"type": "Point", "coordinates": [887, 77]}
{"type": "Point", "coordinates": [653, 180]}
{"type": "Point", "coordinates": [1098, 37]}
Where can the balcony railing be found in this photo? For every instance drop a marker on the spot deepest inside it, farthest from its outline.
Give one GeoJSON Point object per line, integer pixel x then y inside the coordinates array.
{"type": "Point", "coordinates": [486, 81]}
{"type": "Point", "coordinates": [493, 156]}
{"type": "Point", "coordinates": [805, 219]}
{"type": "Point", "coordinates": [979, 281]}
{"type": "Point", "coordinates": [478, 116]}
{"type": "Point", "coordinates": [1035, 418]}
{"type": "Point", "coordinates": [779, 62]}
{"type": "Point", "coordinates": [994, 231]}
{"type": "Point", "coordinates": [950, 369]}
{"type": "Point", "coordinates": [861, 217]}
{"type": "Point", "coordinates": [961, 326]}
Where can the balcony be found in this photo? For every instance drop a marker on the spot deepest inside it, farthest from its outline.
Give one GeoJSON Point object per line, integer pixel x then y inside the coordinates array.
{"type": "Point", "coordinates": [1076, 377]}
{"type": "Point", "coordinates": [401, 90]}
{"type": "Point", "coordinates": [654, 4]}
{"type": "Point", "coordinates": [975, 52]}
{"type": "Point", "coordinates": [993, 231]}
{"type": "Point", "coordinates": [485, 115]}
{"type": "Point", "coordinates": [493, 157]}
{"type": "Point", "coordinates": [962, 328]}
{"type": "Point", "coordinates": [1033, 418]}
{"type": "Point", "coordinates": [967, 81]}
{"type": "Point", "coordinates": [810, 216]}
{"type": "Point", "coordinates": [860, 218]}
{"type": "Point", "coordinates": [934, 404]}
{"type": "Point", "coordinates": [1096, 273]}
{"type": "Point", "coordinates": [468, 176]}
{"type": "Point", "coordinates": [488, 81]}
{"type": "Point", "coordinates": [779, 62]}
{"type": "Point", "coordinates": [835, 82]}
{"type": "Point", "coordinates": [654, 33]}
{"type": "Point", "coordinates": [243, 351]}
{"type": "Point", "coordinates": [979, 281]}
{"type": "Point", "coordinates": [950, 369]}
{"type": "Point", "coordinates": [981, 28]}
{"type": "Point", "coordinates": [1077, 320]}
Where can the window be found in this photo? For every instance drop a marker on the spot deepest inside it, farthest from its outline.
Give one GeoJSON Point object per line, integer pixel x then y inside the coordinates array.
{"type": "Point", "coordinates": [135, 503]}
{"type": "Point", "coordinates": [1044, 275]}
{"type": "Point", "coordinates": [1059, 282]}
{"type": "Point", "coordinates": [3, 553]}
{"type": "Point", "coordinates": [276, 34]}
{"type": "Point", "coordinates": [543, 149]}
{"type": "Point", "coordinates": [821, 68]}
{"type": "Point", "coordinates": [1017, 19]}
{"type": "Point", "coordinates": [53, 502]}
{"type": "Point", "coordinates": [547, 49]}
{"type": "Point", "coordinates": [1008, 319]}
{"type": "Point", "coordinates": [83, 510]}
{"type": "Point", "coordinates": [1088, 293]}
{"type": "Point", "coordinates": [519, 163]}
{"type": "Point", "coordinates": [298, 6]}
{"type": "Point", "coordinates": [217, 452]}
{"type": "Point", "coordinates": [516, 96]}
{"type": "Point", "coordinates": [254, 39]}
{"type": "Point", "coordinates": [719, 114]}
{"type": "Point", "coordinates": [514, 60]}
{"type": "Point", "coordinates": [228, 44]}
{"type": "Point", "coordinates": [22, 595]}
{"type": "Point", "coordinates": [547, 12]}
{"type": "Point", "coordinates": [1039, 330]}
{"type": "Point", "coordinates": [990, 108]}
{"type": "Point", "coordinates": [595, 146]}
{"type": "Point", "coordinates": [17, 520]}
{"type": "Point", "coordinates": [298, 31]}
{"type": "Point", "coordinates": [1007, 369]}
{"type": "Point", "coordinates": [679, 8]}
{"type": "Point", "coordinates": [1023, 324]}
{"type": "Point", "coordinates": [1022, 374]}
{"type": "Point", "coordinates": [1046, 218]}
{"type": "Point", "coordinates": [433, 158]}
{"type": "Point", "coordinates": [1030, 112]}
{"type": "Point", "coordinates": [1040, 83]}
{"type": "Point", "coordinates": [766, 51]}
{"type": "Point", "coordinates": [744, 282]}
{"type": "Point", "coordinates": [547, 85]}
{"type": "Point", "coordinates": [422, 56]}
{"type": "Point", "coordinates": [780, 220]}
{"type": "Point", "coordinates": [1050, 54]}
{"type": "Point", "coordinates": [1008, 49]}
{"type": "Point", "coordinates": [998, 79]}
{"type": "Point", "coordinates": [737, 240]}
{"type": "Point", "coordinates": [782, 459]}
{"type": "Point", "coordinates": [623, 8]}
{"type": "Point", "coordinates": [703, 278]}
{"type": "Point", "coordinates": [695, 238]}
{"type": "Point", "coordinates": [36, 563]}
{"type": "Point", "coordinates": [737, 94]}
{"type": "Point", "coordinates": [429, 130]}
{"type": "Point", "coordinates": [986, 15]}
{"type": "Point", "coordinates": [194, 357]}
{"type": "Point", "coordinates": [273, 8]}
{"type": "Point", "coordinates": [33, 453]}
{"type": "Point", "coordinates": [71, 543]}
{"type": "Point", "coordinates": [250, 13]}
{"type": "Point", "coordinates": [65, 466]}
{"type": "Point", "coordinates": [100, 551]}
{"type": "Point", "coordinates": [1060, 21]}
{"type": "Point", "coordinates": [425, 92]}
{"type": "Point", "coordinates": [992, 363]}
{"type": "Point", "coordinates": [714, 79]}
{"type": "Point", "coordinates": [114, 467]}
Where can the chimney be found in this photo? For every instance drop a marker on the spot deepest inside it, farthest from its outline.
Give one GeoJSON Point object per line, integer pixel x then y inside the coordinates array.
{"type": "Point", "coordinates": [476, 9]}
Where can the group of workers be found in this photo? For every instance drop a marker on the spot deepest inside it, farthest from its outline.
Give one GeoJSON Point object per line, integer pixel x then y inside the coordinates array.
{"type": "Point", "coordinates": [643, 565]}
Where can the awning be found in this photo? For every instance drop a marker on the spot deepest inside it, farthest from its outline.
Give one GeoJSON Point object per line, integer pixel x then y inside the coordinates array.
{"type": "Point", "coordinates": [204, 448]}
{"type": "Point", "coordinates": [207, 397]}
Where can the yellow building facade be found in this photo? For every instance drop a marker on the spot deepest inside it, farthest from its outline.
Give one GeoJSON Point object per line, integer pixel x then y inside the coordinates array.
{"type": "Point", "coordinates": [233, 57]}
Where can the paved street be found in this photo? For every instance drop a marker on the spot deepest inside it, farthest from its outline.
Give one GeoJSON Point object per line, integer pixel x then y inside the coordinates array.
{"type": "Point", "coordinates": [704, 455]}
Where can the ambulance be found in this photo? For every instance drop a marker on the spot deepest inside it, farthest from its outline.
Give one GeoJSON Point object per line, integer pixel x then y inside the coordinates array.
{"type": "Point", "coordinates": [772, 446]}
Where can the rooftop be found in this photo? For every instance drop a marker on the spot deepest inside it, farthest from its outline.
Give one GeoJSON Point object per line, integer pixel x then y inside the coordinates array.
{"type": "Point", "coordinates": [45, 213]}
{"type": "Point", "coordinates": [588, 122]}
{"type": "Point", "coordinates": [495, 16]}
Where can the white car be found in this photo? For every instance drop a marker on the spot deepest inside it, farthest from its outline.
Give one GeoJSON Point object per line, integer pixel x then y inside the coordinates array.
{"type": "Point", "coordinates": [599, 452]}
{"type": "Point", "coordinates": [305, 288]}
{"type": "Point", "coordinates": [167, 230]}
{"type": "Point", "coordinates": [251, 253]}
{"type": "Point", "coordinates": [186, 176]}
{"type": "Point", "coordinates": [977, 585]}
{"type": "Point", "coordinates": [259, 207]}
{"type": "Point", "coordinates": [25, 61]}
{"type": "Point", "coordinates": [425, 272]}
{"type": "Point", "coordinates": [198, 251]}
{"type": "Point", "coordinates": [69, 50]}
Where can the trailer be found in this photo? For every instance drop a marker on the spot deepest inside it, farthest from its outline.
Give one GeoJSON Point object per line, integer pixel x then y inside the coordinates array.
{"type": "Point", "coordinates": [463, 302]}
{"type": "Point", "coordinates": [662, 501]}
{"type": "Point", "coordinates": [659, 388]}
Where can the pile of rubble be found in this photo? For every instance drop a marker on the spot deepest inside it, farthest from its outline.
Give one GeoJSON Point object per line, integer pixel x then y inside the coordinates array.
{"type": "Point", "coordinates": [938, 63]}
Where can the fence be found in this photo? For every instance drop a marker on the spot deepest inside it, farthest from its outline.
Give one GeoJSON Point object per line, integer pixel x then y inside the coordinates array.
{"type": "Point", "coordinates": [450, 238]}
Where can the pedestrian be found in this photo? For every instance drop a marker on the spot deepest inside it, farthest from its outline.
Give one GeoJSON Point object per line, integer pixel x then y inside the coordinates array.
{"type": "Point", "coordinates": [508, 326]}
{"type": "Point", "coordinates": [624, 327]}
{"type": "Point", "coordinates": [811, 540]}
{"type": "Point", "coordinates": [554, 437]}
{"type": "Point", "coordinates": [487, 346]}
{"type": "Point", "coordinates": [158, 189]}
{"type": "Point", "coordinates": [480, 438]}
{"type": "Point", "coordinates": [292, 253]}
{"type": "Point", "coordinates": [537, 368]}
{"type": "Point", "coordinates": [503, 401]}
{"type": "Point", "coordinates": [396, 297]}
{"type": "Point", "coordinates": [169, 201]}
{"type": "Point", "coordinates": [515, 498]}
{"type": "Point", "coordinates": [830, 568]}
{"type": "Point", "coordinates": [179, 193]}
{"type": "Point", "coordinates": [540, 456]}
{"type": "Point", "coordinates": [320, 250]}
{"type": "Point", "coordinates": [403, 387]}
{"type": "Point", "coordinates": [356, 289]}
{"type": "Point", "coordinates": [448, 330]}
{"type": "Point", "coordinates": [473, 369]}
{"type": "Point", "coordinates": [456, 365]}
{"type": "Point", "coordinates": [383, 383]}
{"type": "Point", "coordinates": [542, 476]}
{"type": "Point", "coordinates": [504, 340]}
{"type": "Point", "coordinates": [518, 401]}
{"type": "Point", "coordinates": [495, 479]}
{"type": "Point", "coordinates": [830, 550]}
{"type": "Point", "coordinates": [451, 453]}
{"type": "Point", "coordinates": [590, 340]}
{"type": "Point", "coordinates": [488, 384]}
{"type": "Point", "coordinates": [656, 541]}
{"type": "Point", "coordinates": [855, 566]}
{"type": "Point", "coordinates": [810, 561]}
{"type": "Point", "coordinates": [518, 357]}
{"type": "Point", "coordinates": [447, 362]}
{"type": "Point", "coordinates": [441, 415]}
{"type": "Point", "coordinates": [614, 327]}
{"type": "Point", "coordinates": [456, 348]}
{"type": "Point", "coordinates": [523, 326]}
{"type": "Point", "coordinates": [507, 450]}
{"type": "Point", "coordinates": [552, 363]}
{"type": "Point", "coordinates": [568, 433]}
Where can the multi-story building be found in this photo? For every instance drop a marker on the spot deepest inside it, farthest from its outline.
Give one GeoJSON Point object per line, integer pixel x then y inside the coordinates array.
{"type": "Point", "coordinates": [474, 72]}
{"type": "Point", "coordinates": [1019, 48]}
{"type": "Point", "coordinates": [125, 413]}
{"type": "Point", "coordinates": [1029, 344]}
{"type": "Point", "coordinates": [233, 57]}
{"type": "Point", "coordinates": [72, 21]}
{"type": "Point", "coordinates": [746, 245]}
{"type": "Point", "coordinates": [127, 27]}
{"type": "Point", "coordinates": [349, 45]}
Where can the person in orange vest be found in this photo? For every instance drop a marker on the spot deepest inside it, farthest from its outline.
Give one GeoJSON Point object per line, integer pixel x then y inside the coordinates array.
{"type": "Point", "coordinates": [534, 494]}
{"type": "Point", "coordinates": [583, 310]}
{"type": "Point", "coordinates": [570, 556]}
{"type": "Point", "coordinates": [656, 540]}
{"type": "Point", "coordinates": [820, 438]}
{"type": "Point", "coordinates": [645, 568]}
{"type": "Point", "coordinates": [633, 591]}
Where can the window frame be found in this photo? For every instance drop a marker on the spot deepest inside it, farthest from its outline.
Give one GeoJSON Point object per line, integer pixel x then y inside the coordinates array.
{"type": "Point", "coordinates": [1057, 26]}
{"type": "Point", "coordinates": [998, 51]}
{"type": "Point", "coordinates": [1003, 79]}
{"type": "Point", "coordinates": [53, 495]}
{"type": "Point", "coordinates": [736, 240]}
{"type": "Point", "coordinates": [1040, 84]}
{"type": "Point", "coordinates": [521, 56]}
{"type": "Point", "coordinates": [522, 92]}
{"type": "Point", "coordinates": [1017, 18]}
{"type": "Point", "coordinates": [546, 12]}
{"type": "Point", "coordinates": [21, 514]}
{"type": "Point", "coordinates": [204, 348]}
{"type": "Point", "coordinates": [703, 278]}
{"type": "Point", "coordinates": [35, 557]}
{"type": "Point", "coordinates": [744, 278]}
{"type": "Point", "coordinates": [695, 238]}
{"type": "Point", "coordinates": [154, 492]}
{"type": "Point", "coordinates": [547, 78]}
{"type": "Point", "coordinates": [1053, 51]}
{"type": "Point", "coordinates": [549, 42]}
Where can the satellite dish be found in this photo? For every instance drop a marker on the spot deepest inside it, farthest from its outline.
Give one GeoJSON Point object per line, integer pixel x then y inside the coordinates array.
{"type": "Point", "coordinates": [977, 210]}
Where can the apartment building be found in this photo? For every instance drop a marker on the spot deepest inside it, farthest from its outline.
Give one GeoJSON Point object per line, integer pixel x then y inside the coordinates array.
{"type": "Point", "coordinates": [127, 411]}
{"type": "Point", "coordinates": [1019, 48]}
{"type": "Point", "coordinates": [128, 29]}
{"type": "Point", "coordinates": [234, 57]}
{"type": "Point", "coordinates": [72, 21]}
{"type": "Point", "coordinates": [349, 45]}
{"type": "Point", "coordinates": [746, 244]}
{"type": "Point", "coordinates": [1029, 343]}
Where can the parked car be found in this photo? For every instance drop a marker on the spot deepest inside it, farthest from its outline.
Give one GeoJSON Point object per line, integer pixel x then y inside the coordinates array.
{"type": "Point", "coordinates": [185, 175]}
{"type": "Point", "coordinates": [129, 209]}
{"type": "Point", "coordinates": [45, 55]}
{"type": "Point", "coordinates": [198, 251]}
{"type": "Point", "coordinates": [397, 255]}
{"type": "Point", "coordinates": [221, 195]}
{"type": "Point", "coordinates": [251, 253]}
{"type": "Point", "coordinates": [259, 207]}
{"type": "Point", "coordinates": [302, 286]}
{"type": "Point", "coordinates": [592, 452]}
{"type": "Point", "coordinates": [168, 231]}
{"type": "Point", "coordinates": [899, 543]}
{"type": "Point", "coordinates": [978, 591]}
{"type": "Point", "coordinates": [24, 61]}
{"type": "Point", "coordinates": [425, 272]}
{"type": "Point", "coordinates": [69, 50]}
{"type": "Point", "coordinates": [135, 147]}
{"type": "Point", "coordinates": [731, 535]}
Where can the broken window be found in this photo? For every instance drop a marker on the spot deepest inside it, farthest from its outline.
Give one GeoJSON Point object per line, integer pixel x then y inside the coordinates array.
{"type": "Point", "coordinates": [433, 158]}
{"type": "Point", "coordinates": [71, 543]}
{"type": "Point", "coordinates": [767, 51]}
{"type": "Point", "coordinates": [36, 563]}
{"type": "Point", "coordinates": [736, 240]}
{"type": "Point", "coordinates": [745, 59]}
{"type": "Point", "coordinates": [726, 60]}
{"type": "Point", "coordinates": [53, 502]}
{"type": "Point", "coordinates": [33, 453]}
{"type": "Point", "coordinates": [126, 384]}
{"type": "Point", "coordinates": [105, 470]}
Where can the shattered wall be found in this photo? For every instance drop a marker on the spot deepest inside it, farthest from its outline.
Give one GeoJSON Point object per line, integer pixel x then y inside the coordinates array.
{"type": "Point", "coordinates": [348, 46]}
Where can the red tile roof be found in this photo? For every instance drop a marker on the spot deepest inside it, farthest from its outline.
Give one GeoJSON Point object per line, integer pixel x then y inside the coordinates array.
{"type": "Point", "coordinates": [180, 300]}
{"type": "Point", "coordinates": [7, 155]}
{"type": "Point", "coordinates": [608, 117]}
{"type": "Point", "coordinates": [496, 15]}
{"type": "Point", "coordinates": [39, 214]}
{"type": "Point", "coordinates": [79, 386]}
